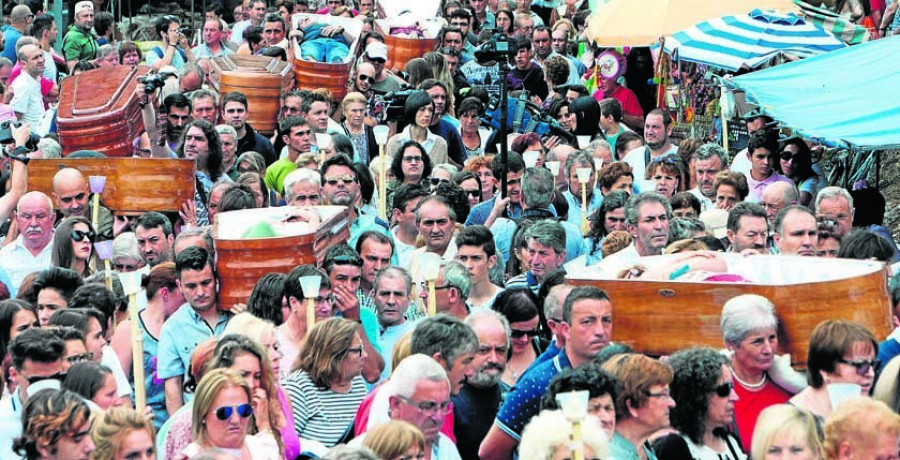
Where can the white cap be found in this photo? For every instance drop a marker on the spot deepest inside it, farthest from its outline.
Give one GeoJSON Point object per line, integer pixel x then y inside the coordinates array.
{"type": "Point", "coordinates": [86, 5]}
{"type": "Point", "coordinates": [377, 50]}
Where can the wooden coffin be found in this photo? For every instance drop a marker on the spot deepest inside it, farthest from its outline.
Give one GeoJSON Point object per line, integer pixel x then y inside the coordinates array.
{"type": "Point", "coordinates": [133, 185]}
{"type": "Point", "coordinates": [331, 76]}
{"type": "Point", "coordinates": [262, 79]}
{"type": "Point", "coordinates": [98, 110]}
{"type": "Point", "coordinates": [660, 317]}
{"type": "Point", "coordinates": [402, 49]}
{"type": "Point", "coordinates": [240, 262]}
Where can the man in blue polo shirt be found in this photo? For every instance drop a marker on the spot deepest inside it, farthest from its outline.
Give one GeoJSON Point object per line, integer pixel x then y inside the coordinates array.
{"type": "Point", "coordinates": [587, 322]}
{"type": "Point", "coordinates": [485, 213]}
{"type": "Point", "coordinates": [195, 321]}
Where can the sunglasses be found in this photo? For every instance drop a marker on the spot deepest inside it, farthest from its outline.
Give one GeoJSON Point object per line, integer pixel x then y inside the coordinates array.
{"type": "Point", "coordinates": [37, 378]}
{"type": "Point", "coordinates": [435, 181]}
{"type": "Point", "coordinates": [518, 334]}
{"type": "Point", "coordinates": [347, 179]}
{"type": "Point", "coordinates": [79, 236]}
{"type": "Point", "coordinates": [366, 79]}
{"type": "Point", "coordinates": [786, 155]}
{"type": "Point", "coordinates": [225, 412]}
{"type": "Point", "coordinates": [862, 367]}
{"type": "Point", "coordinates": [724, 390]}
{"type": "Point", "coordinates": [377, 60]}
{"type": "Point", "coordinates": [68, 199]}
{"type": "Point", "coordinates": [474, 193]}
{"type": "Point", "coordinates": [125, 267]}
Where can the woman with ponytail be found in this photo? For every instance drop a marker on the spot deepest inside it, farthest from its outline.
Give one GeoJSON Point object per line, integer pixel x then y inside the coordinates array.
{"type": "Point", "coordinates": [163, 299]}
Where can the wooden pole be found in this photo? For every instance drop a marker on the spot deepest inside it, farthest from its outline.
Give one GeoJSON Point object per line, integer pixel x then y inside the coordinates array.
{"type": "Point", "coordinates": [137, 356]}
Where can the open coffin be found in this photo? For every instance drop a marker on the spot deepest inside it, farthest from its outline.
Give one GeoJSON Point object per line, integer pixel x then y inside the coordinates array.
{"type": "Point", "coordinates": [241, 261]}
{"type": "Point", "coordinates": [330, 75]}
{"type": "Point", "coordinates": [660, 317]}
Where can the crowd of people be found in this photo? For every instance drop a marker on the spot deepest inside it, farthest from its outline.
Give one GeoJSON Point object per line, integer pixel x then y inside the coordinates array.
{"type": "Point", "coordinates": [361, 369]}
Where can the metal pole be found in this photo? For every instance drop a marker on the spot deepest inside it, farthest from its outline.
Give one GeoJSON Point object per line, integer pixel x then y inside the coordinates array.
{"type": "Point", "coordinates": [61, 25]}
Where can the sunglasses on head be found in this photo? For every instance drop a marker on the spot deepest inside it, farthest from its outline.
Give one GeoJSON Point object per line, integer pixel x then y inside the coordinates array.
{"type": "Point", "coordinates": [862, 367]}
{"type": "Point", "coordinates": [79, 235]}
{"type": "Point", "coordinates": [366, 79]}
{"type": "Point", "coordinates": [518, 334]}
{"type": "Point", "coordinates": [224, 413]}
{"type": "Point", "coordinates": [724, 390]}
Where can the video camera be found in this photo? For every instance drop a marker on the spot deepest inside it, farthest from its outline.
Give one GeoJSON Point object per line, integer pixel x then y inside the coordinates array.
{"type": "Point", "coordinates": [6, 135]}
{"type": "Point", "coordinates": [389, 106]}
{"type": "Point", "coordinates": [500, 48]}
{"type": "Point", "coordinates": [524, 117]}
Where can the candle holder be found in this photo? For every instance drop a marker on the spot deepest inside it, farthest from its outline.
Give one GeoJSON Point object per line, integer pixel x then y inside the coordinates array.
{"type": "Point", "coordinates": [131, 285]}
{"type": "Point", "coordinates": [583, 141]}
{"type": "Point", "coordinates": [431, 268]}
{"type": "Point", "coordinates": [531, 158]}
{"type": "Point", "coordinates": [98, 183]}
{"type": "Point", "coordinates": [310, 286]}
{"type": "Point", "coordinates": [598, 164]}
{"type": "Point", "coordinates": [381, 138]}
{"type": "Point", "coordinates": [553, 166]}
{"type": "Point", "coordinates": [584, 176]}
{"type": "Point", "coordinates": [574, 408]}
{"type": "Point", "coordinates": [105, 252]}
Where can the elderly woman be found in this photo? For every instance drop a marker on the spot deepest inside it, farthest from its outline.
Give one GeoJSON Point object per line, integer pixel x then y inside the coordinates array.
{"type": "Point", "coordinates": [130, 54]}
{"type": "Point", "coordinates": [363, 137]}
{"type": "Point", "coordinates": [222, 411]}
{"type": "Point", "coordinates": [839, 352]}
{"type": "Point", "coordinates": [668, 173]}
{"type": "Point", "coordinates": [642, 403]}
{"type": "Point", "coordinates": [749, 329]}
{"type": "Point", "coordinates": [122, 433]}
{"type": "Point", "coordinates": [418, 110]}
{"type": "Point", "coordinates": [785, 431]}
{"type": "Point", "coordinates": [73, 245]}
{"type": "Point", "coordinates": [473, 136]}
{"type": "Point", "coordinates": [731, 188]}
{"type": "Point", "coordinates": [326, 387]}
{"type": "Point", "coordinates": [548, 437]}
{"type": "Point", "coordinates": [126, 254]}
{"type": "Point", "coordinates": [704, 407]}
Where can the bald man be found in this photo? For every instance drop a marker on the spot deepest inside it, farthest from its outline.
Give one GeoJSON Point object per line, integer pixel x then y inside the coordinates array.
{"type": "Point", "coordinates": [72, 194]}
{"type": "Point", "coordinates": [19, 19]}
{"type": "Point", "coordinates": [30, 252]}
{"type": "Point", "coordinates": [777, 196]}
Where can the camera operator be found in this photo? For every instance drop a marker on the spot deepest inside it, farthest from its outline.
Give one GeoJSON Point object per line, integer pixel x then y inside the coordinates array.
{"type": "Point", "coordinates": [175, 50]}
{"type": "Point", "coordinates": [164, 135]}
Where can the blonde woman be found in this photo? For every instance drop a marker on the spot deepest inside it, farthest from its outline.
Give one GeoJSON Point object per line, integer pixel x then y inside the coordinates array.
{"type": "Point", "coordinates": [547, 436]}
{"type": "Point", "coordinates": [395, 440]}
{"type": "Point", "coordinates": [122, 433]}
{"type": "Point", "coordinates": [784, 431]}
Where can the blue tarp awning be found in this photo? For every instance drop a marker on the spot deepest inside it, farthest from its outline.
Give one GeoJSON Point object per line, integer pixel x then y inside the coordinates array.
{"type": "Point", "coordinates": [850, 95]}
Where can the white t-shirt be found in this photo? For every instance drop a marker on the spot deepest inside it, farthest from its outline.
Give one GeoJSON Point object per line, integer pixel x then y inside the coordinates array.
{"type": "Point", "coordinates": [636, 159]}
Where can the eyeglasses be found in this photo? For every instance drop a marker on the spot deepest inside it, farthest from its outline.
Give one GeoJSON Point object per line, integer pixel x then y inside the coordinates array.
{"type": "Point", "coordinates": [518, 334]}
{"type": "Point", "coordinates": [665, 394]}
{"type": "Point", "coordinates": [435, 181]}
{"type": "Point", "coordinates": [225, 412]}
{"type": "Point", "coordinates": [125, 267]}
{"type": "Point", "coordinates": [862, 367]}
{"type": "Point", "coordinates": [306, 197]}
{"type": "Point", "coordinates": [445, 286]}
{"type": "Point", "coordinates": [412, 159]}
{"type": "Point", "coordinates": [419, 456]}
{"type": "Point", "coordinates": [37, 378]}
{"type": "Point", "coordinates": [376, 60]}
{"type": "Point", "coordinates": [428, 407]}
{"type": "Point", "coordinates": [358, 350]}
{"type": "Point", "coordinates": [724, 390]}
{"type": "Point", "coordinates": [68, 199]}
{"type": "Point", "coordinates": [331, 298]}
{"type": "Point", "coordinates": [366, 78]}
{"type": "Point", "coordinates": [78, 235]}
{"type": "Point", "coordinates": [347, 179]}
{"type": "Point", "coordinates": [87, 356]}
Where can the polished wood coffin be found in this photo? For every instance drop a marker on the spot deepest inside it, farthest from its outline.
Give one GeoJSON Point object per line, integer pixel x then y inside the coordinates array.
{"type": "Point", "coordinates": [262, 79]}
{"type": "Point", "coordinates": [240, 262]}
{"type": "Point", "coordinates": [133, 185]}
{"type": "Point", "coordinates": [660, 317]}
{"type": "Point", "coordinates": [98, 110]}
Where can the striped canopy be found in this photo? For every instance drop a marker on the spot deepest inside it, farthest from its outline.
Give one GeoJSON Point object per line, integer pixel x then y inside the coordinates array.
{"type": "Point", "coordinates": [748, 41]}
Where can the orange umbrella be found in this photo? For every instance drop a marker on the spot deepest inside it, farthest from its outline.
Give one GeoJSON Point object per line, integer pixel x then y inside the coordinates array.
{"type": "Point", "coordinates": [642, 22]}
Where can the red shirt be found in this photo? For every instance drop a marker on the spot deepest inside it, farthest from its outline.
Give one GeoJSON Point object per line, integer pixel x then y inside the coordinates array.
{"type": "Point", "coordinates": [751, 403]}
{"type": "Point", "coordinates": [362, 416]}
{"type": "Point", "coordinates": [626, 98]}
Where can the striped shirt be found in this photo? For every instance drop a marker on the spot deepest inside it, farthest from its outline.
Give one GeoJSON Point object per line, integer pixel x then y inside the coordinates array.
{"type": "Point", "coordinates": [322, 415]}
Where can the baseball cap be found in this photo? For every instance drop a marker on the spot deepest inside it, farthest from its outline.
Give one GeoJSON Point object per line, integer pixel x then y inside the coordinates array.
{"type": "Point", "coordinates": [377, 50]}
